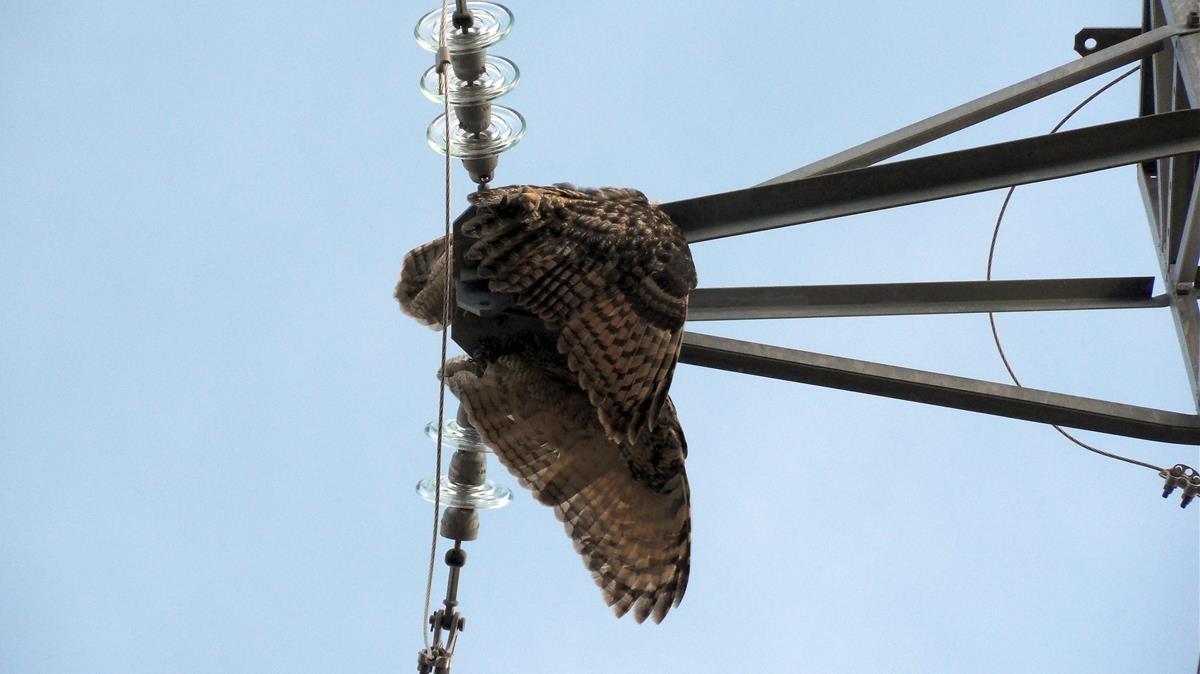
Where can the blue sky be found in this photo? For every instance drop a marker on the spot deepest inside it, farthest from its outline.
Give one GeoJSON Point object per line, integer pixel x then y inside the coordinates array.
{"type": "Point", "coordinates": [211, 410]}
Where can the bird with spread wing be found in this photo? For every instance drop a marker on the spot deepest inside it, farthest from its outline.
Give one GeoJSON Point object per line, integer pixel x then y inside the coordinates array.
{"type": "Point", "coordinates": [580, 413]}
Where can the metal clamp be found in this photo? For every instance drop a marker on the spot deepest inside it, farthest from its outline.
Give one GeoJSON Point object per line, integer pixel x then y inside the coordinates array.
{"type": "Point", "coordinates": [446, 623]}
{"type": "Point", "coordinates": [465, 491]}
{"type": "Point", "coordinates": [1181, 477]}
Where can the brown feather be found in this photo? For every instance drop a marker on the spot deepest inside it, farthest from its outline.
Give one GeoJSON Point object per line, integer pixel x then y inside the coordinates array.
{"type": "Point", "coordinates": [583, 421]}
{"type": "Point", "coordinates": [607, 269]}
{"type": "Point", "coordinates": [626, 507]}
{"type": "Point", "coordinates": [421, 289]}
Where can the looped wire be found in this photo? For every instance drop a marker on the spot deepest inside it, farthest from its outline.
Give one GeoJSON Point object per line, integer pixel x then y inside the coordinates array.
{"type": "Point", "coordinates": [991, 258]}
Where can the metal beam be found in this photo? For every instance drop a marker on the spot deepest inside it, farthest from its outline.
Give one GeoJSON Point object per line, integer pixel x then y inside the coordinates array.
{"type": "Point", "coordinates": [1179, 192]}
{"type": "Point", "coordinates": [940, 389]}
{"type": "Point", "coordinates": [1183, 298]}
{"type": "Point", "coordinates": [1186, 312]}
{"type": "Point", "coordinates": [986, 107]}
{"type": "Point", "coordinates": [1148, 188]}
{"type": "Point", "coordinates": [937, 177]}
{"type": "Point", "coordinates": [1187, 45]}
{"type": "Point", "coordinates": [1183, 269]}
{"type": "Point", "coordinates": [1170, 188]}
{"type": "Point", "coordinates": [1164, 101]}
{"type": "Point", "coordinates": [1178, 195]}
{"type": "Point", "coordinates": [947, 297]}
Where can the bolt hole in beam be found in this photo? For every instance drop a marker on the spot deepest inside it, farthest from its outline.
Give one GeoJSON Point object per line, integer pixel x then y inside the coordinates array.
{"type": "Point", "coordinates": [1091, 40]}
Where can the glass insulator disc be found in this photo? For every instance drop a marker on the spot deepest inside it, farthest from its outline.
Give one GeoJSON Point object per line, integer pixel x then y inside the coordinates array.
{"type": "Point", "coordinates": [506, 129]}
{"type": "Point", "coordinates": [492, 23]}
{"type": "Point", "coordinates": [457, 436]}
{"type": "Point", "coordinates": [499, 77]}
{"type": "Point", "coordinates": [487, 496]}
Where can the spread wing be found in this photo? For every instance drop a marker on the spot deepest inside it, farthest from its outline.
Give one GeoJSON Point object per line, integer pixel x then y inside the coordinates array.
{"type": "Point", "coordinates": [626, 507]}
{"type": "Point", "coordinates": [421, 290]}
{"type": "Point", "coordinates": [610, 271]}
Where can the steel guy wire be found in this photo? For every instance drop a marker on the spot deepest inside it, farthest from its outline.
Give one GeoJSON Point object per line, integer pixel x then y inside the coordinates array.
{"type": "Point", "coordinates": [443, 85]}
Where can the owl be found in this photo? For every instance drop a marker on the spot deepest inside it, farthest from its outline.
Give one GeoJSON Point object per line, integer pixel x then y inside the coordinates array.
{"type": "Point", "coordinates": [580, 411]}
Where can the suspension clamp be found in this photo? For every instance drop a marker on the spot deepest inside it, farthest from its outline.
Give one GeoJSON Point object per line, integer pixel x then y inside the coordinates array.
{"type": "Point", "coordinates": [1181, 477]}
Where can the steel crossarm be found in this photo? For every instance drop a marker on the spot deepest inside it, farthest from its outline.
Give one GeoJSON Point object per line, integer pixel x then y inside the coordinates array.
{"type": "Point", "coordinates": [937, 177]}
{"type": "Point", "coordinates": [942, 297]}
{"type": "Point", "coordinates": [993, 104]}
{"type": "Point", "coordinates": [934, 388]}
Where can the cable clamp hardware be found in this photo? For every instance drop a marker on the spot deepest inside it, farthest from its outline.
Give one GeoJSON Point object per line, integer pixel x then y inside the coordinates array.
{"type": "Point", "coordinates": [1181, 477]}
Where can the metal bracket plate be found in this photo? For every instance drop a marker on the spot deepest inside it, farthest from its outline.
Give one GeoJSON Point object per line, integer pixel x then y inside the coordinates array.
{"type": "Point", "coordinates": [1091, 40]}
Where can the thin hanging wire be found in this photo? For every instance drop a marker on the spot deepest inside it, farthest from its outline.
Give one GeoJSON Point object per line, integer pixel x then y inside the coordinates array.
{"type": "Point", "coordinates": [443, 87]}
{"type": "Point", "coordinates": [991, 257]}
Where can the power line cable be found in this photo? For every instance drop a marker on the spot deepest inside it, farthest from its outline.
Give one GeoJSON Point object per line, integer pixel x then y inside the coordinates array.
{"type": "Point", "coordinates": [991, 257]}
{"type": "Point", "coordinates": [443, 64]}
